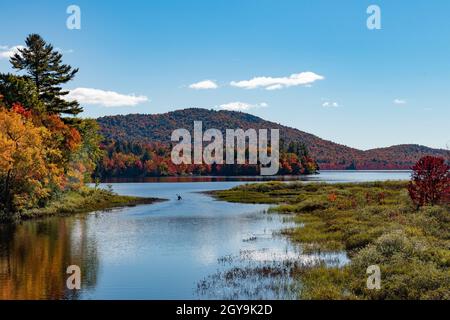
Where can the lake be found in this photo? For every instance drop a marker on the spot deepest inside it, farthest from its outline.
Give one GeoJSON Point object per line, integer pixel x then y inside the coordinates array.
{"type": "Point", "coordinates": [194, 248]}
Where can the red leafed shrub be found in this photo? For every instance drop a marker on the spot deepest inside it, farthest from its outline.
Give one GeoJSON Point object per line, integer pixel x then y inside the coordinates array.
{"type": "Point", "coordinates": [332, 197]}
{"type": "Point", "coordinates": [18, 108]}
{"type": "Point", "coordinates": [430, 181]}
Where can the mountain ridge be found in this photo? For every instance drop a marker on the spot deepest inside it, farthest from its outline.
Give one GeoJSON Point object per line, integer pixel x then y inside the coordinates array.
{"type": "Point", "coordinates": [147, 128]}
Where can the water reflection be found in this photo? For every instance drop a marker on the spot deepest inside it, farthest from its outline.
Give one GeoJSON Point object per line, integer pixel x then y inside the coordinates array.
{"type": "Point", "coordinates": [34, 257]}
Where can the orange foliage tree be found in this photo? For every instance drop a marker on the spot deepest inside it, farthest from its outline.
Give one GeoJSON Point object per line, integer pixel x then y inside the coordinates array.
{"type": "Point", "coordinates": [26, 175]}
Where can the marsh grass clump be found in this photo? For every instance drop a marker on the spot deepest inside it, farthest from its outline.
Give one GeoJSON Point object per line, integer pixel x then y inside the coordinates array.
{"type": "Point", "coordinates": [376, 223]}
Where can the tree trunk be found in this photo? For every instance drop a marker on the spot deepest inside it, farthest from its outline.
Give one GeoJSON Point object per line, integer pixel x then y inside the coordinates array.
{"type": "Point", "coordinates": [7, 193]}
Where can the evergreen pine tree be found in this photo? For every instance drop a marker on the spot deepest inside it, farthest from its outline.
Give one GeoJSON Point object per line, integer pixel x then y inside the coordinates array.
{"type": "Point", "coordinates": [44, 67]}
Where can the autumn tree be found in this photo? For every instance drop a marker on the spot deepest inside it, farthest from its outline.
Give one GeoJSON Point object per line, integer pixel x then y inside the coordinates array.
{"type": "Point", "coordinates": [43, 65]}
{"type": "Point", "coordinates": [83, 161]}
{"type": "Point", "coordinates": [26, 175]}
{"type": "Point", "coordinates": [41, 154]}
{"type": "Point", "coordinates": [430, 181]}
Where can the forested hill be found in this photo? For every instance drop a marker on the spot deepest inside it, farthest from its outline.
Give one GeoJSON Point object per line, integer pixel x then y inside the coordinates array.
{"type": "Point", "coordinates": [139, 128]}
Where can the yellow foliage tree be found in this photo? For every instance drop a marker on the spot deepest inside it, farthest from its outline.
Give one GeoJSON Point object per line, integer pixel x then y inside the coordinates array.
{"type": "Point", "coordinates": [26, 175]}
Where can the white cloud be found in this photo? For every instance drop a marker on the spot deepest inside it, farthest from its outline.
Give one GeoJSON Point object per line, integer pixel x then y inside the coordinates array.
{"type": "Point", "coordinates": [7, 52]}
{"type": "Point", "coordinates": [203, 85]}
{"type": "Point", "coordinates": [241, 106]}
{"type": "Point", "coordinates": [104, 98]}
{"type": "Point", "coordinates": [331, 104]}
{"type": "Point", "coordinates": [270, 83]}
{"type": "Point", "coordinates": [274, 87]}
{"type": "Point", "coordinates": [60, 50]}
{"type": "Point", "coordinates": [399, 101]}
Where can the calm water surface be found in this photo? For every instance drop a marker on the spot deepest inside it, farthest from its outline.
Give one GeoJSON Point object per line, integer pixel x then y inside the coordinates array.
{"type": "Point", "coordinates": [194, 248]}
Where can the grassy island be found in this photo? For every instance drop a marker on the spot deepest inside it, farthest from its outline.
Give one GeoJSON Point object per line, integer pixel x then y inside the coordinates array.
{"type": "Point", "coordinates": [375, 223]}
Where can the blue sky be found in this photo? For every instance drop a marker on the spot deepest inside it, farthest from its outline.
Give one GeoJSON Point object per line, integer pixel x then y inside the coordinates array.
{"type": "Point", "coordinates": [376, 87]}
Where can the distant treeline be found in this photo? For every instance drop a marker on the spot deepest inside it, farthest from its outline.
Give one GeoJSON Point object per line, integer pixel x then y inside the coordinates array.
{"type": "Point", "coordinates": [130, 160]}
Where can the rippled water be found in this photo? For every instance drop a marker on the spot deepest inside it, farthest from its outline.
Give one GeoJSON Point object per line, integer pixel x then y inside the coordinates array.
{"type": "Point", "coordinates": [194, 248]}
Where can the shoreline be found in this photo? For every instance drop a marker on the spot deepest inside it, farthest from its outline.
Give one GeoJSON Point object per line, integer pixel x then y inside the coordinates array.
{"type": "Point", "coordinates": [375, 223]}
{"type": "Point", "coordinates": [323, 175]}
{"type": "Point", "coordinates": [82, 201]}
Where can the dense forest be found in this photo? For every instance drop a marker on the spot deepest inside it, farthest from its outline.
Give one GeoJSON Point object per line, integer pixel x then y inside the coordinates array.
{"type": "Point", "coordinates": [137, 159]}
{"type": "Point", "coordinates": [157, 128]}
{"type": "Point", "coordinates": [43, 152]}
